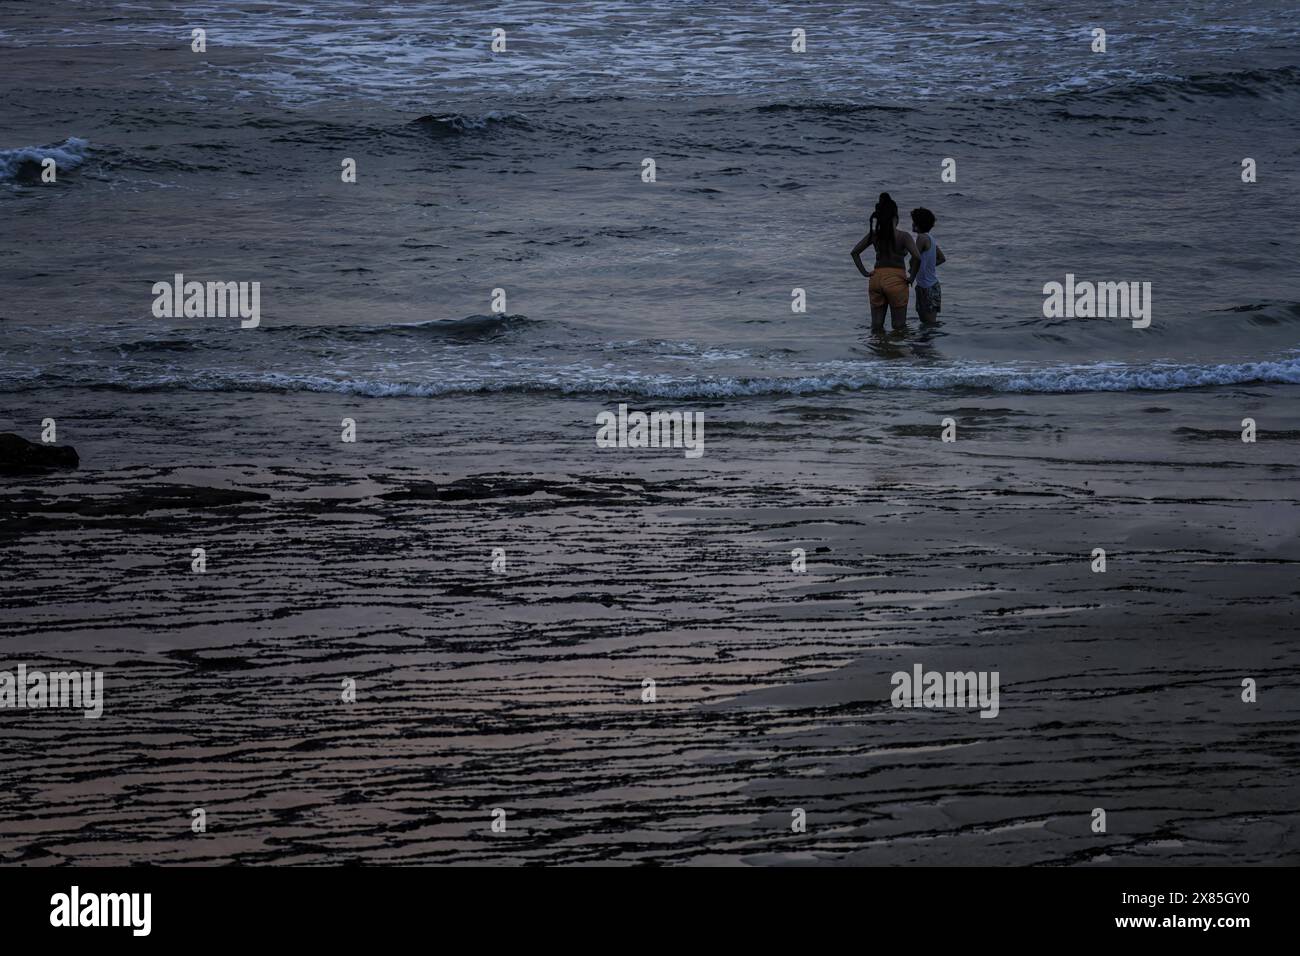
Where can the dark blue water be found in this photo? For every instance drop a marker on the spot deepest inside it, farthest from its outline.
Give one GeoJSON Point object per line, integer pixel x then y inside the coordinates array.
{"type": "Point", "coordinates": [521, 171]}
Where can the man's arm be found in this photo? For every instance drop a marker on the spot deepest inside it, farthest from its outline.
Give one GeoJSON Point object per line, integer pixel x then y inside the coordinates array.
{"type": "Point", "coordinates": [938, 256]}
{"type": "Point", "coordinates": [857, 254]}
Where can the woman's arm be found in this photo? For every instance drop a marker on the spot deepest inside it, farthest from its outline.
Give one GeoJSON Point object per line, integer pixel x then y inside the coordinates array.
{"type": "Point", "coordinates": [908, 243]}
{"type": "Point", "coordinates": [857, 253]}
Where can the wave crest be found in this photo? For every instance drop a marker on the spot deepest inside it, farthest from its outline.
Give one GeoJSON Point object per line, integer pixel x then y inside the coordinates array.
{"type": "Point", "coordinates": [456, 124]}
{"type": "Point", "coordinates": [1232, 83]}
{"type": "Point", "coordinates": [577, 381]}
{"type": "Point", "coordinates": [23, 164]}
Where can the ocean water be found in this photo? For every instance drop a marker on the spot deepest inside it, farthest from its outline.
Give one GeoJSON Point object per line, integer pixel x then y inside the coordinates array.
{"type": "Point", "coordinates": [520, 171]}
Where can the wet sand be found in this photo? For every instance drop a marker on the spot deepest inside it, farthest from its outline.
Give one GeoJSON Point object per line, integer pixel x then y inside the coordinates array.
{"type": "Point", "coordinates": [522, 690]}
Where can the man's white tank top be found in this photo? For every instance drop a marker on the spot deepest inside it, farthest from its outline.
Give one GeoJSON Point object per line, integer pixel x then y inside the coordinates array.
{"type": "Point", "coordinates": [928, 275]}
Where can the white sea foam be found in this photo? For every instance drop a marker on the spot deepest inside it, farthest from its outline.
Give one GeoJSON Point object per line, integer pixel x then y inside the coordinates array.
{"type": "Point", "coordinates": [69, 154]}
{"type": "Point", "coordinates": [578, 379]}
{"type": "Point", "coordinates": [638, 47]}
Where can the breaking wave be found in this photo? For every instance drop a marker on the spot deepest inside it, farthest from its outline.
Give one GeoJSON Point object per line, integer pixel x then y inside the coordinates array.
{"type": "Point", "coordinates": [23, 164]}
{"type": "Point", "coordinates": [574, 380]}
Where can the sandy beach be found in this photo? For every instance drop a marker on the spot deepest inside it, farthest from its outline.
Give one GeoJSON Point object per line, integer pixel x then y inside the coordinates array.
{"type": "Point", "coordinates": [522, 689]}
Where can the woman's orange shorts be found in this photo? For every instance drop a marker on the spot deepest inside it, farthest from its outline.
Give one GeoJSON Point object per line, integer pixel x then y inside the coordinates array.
{"type": "Point", "coordinates": [888, 286]}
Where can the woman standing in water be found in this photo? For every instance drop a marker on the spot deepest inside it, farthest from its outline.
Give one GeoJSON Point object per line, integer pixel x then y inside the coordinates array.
{"type": "Point", "coordinates": [887, 285]}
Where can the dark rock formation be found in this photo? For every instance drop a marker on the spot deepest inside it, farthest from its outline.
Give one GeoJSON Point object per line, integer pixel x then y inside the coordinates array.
{"type": "Point", "coordinates": [18, 456]}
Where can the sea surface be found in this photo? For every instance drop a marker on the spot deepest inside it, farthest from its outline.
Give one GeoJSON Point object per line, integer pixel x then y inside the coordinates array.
{"type": "Point", "coordinates": [521, 171]}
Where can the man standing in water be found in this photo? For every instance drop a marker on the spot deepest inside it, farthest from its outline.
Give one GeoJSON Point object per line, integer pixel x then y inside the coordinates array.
{"type": "Point", "coordinates": [924, 271]}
